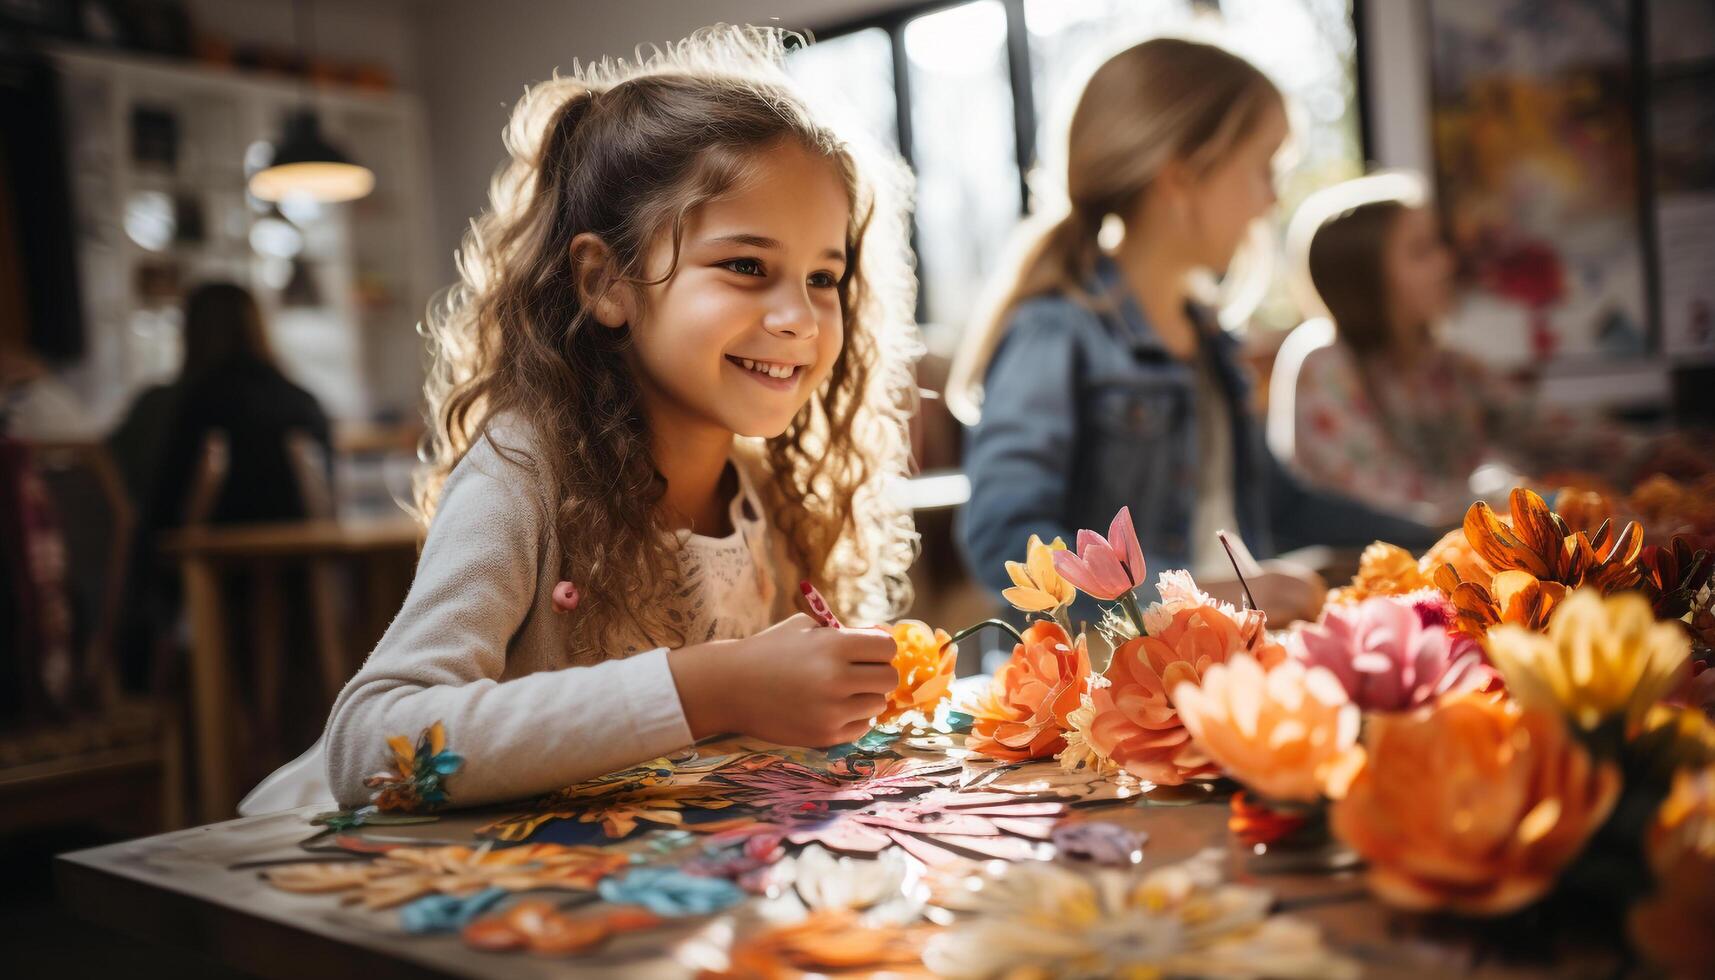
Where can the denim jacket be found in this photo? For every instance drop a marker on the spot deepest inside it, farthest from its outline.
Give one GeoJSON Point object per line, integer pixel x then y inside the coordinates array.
{"type": "Point", "coordinates": [1086, 412]}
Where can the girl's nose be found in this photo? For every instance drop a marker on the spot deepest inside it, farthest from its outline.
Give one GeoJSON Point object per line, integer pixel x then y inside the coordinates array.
{"type": "Point", "coordinates": [791, 315]}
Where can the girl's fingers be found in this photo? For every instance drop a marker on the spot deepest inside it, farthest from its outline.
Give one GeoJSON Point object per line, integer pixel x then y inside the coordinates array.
{"type": "Point", "coordinates": [867, 646]}
{"type": "Point", "coordinates": [871, 678]}
{"type": "Point", "coordinates": [866, 706]}
{"type": "Point", "coordinates": [854, 731]}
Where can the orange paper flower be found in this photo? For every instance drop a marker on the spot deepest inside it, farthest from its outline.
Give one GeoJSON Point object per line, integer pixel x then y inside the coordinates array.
{"type": "Point", "coordinates": [1136, 724]}
{"type": "Point", "coordinates": [1671, 926]}
{"type": "Point", "coordinates": [1023, 715]}
{"type": "Point", "coordinates": [1540, 542]}
{"type": "Point", "coordinates": [924, 658]}
{"type": "Point", "coordinates": [1473, 806]}
{"type": "Point", "coordinates": [1383, 569]}
{"type": "Point", "coordinates": [1453, 549]}
{"type": "Point", "coordinates": [1289, 733]}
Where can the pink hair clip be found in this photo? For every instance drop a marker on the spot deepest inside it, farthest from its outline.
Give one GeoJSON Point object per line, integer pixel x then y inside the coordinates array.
{"type": "Point", "coordinates": [566, 597]}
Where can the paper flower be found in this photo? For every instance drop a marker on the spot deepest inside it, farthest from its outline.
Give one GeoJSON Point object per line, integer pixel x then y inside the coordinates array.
{"type": "Point", "coordinates": [618, 802]}
{"type": "Point", "coordinates": [1105, 568]}
{"type": "Point", "coordinates": [1471, 806]}
{"type": "Point", "coordinates": [1036, 586]}
{"type": "Point", "coordinates": [1602, 659]}
{"type": "Point", "coordinates": [1286, 733]}
{"type": "Point", "coordinates": [826, 881]}
{"type": "Point", "coordinates": [539, 927]}
{"type": "Point", "coordinates": [1514, 597]}
{"type": "Point", "coordinates": [416, 780]}
{"type": "Point", "coordinates": [670, 893]}
{"type": "Point", "coordinates": [925, 659]}
{"type": "Point", "coordinates": [1136, 724]}
{"type": "Point", "coordinates": [1540, 543]}
{"type": "Point", "coordinates": [1179, 592]}
{"type": "Point", "coordinates": [1383, 569]}
{"type": "Point", "coordinates": [824, 942]}
{"type": "Point", "coordinates": [1253, 823]}
{"type": "Point", "coordinates": [1079, 752]}
{"type": "Point", "coordinates": [1099, 842]}
{"type": "Point", "coordinates": [1046, 919]}
{"type": "Point", "coordinates": [1675, 736]}
{"type": "Point", "coordinates": [1023, 714]}
{"type": "Point", "coordinates": [407, 873]}
{"type": "Point", "coordinates": [447, 913]}
{"type": "Point", "coordinates": [1384, 656]}
{"type": "Point", "coordinates": [1671, 925]}
{"type": "Point", "coordinates": [1455, 549]}
{"type": "Point", "coordinates": [939, 828]}
{"type": "Point", "coordinates": [1674, 575]}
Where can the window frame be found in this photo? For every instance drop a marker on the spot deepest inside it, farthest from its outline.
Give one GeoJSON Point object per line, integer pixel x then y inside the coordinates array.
{"type": "Point", "coordinates": [1025, 122]}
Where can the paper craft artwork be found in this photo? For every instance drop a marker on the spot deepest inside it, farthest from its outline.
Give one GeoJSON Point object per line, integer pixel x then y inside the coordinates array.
{"type": "Point", "coordinates": [828, 942]}
{"type": "Point", "coordinates": [540, 928]}
{"type": "Point", "coordinates": [1047, 919]}
{"type": "Point", "coordinates": [406, 873]}
{"type": "Point", "coordinates": [617, 807]}
{"type": "Point", "coordinates": [939, 828]}
{"type": "Point", "coordinates": [416, 780]}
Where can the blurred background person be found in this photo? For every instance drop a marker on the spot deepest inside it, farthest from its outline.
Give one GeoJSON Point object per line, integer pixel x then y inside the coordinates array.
{"type": "Point", "coordinates": [1369, 402]}
{"type": "Point", "coordinates": [1106, 383]}
{"type": "Point", "coordinates": [229, 401]}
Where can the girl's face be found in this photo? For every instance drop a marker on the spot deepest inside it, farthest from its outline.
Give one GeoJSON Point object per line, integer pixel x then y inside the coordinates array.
{"type": "Point", "coordinates": [1419, 272]}
{"type": "Point", "coordinates": [749, 324]}
{"type": "Point", "coordinates": [1234, 193]}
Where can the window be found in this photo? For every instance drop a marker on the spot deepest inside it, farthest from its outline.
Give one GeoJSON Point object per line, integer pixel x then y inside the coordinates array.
{"type": "Point", "coordinates": [987, 85]}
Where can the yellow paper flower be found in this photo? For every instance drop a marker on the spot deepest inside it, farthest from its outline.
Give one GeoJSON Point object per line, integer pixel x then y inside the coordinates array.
{"type": "Point", "coordinates": [1601, 658]}
{"type": "Point", "coordinates": [1036, 586]}
{"type": "Point", "coordinates": [1472, 806]}
{"type": "Point", "coordinates": [1289, 733]}
{"type": "Point", "coordinates": [1671, 926]}
{"type": "Point", "coordinates": [1383, 569]}
{"type": "Point", "coordinates": [925, 659]}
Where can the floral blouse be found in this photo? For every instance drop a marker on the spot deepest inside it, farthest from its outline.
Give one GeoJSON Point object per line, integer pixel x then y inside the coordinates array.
{"type": "Point", "coordinates": [1415, 452]}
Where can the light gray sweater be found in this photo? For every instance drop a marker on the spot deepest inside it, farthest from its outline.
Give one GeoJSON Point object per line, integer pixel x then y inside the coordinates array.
{"type": "Point", "coordinates": [479, 646]}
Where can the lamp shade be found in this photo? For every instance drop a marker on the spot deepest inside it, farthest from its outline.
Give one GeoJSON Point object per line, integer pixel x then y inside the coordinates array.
{"type": "Point", "coordinates": [306, 164]}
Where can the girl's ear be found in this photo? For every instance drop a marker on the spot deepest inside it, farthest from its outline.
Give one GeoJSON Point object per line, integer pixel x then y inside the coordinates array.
{"type": "Point", "coordinates": [592, 265]}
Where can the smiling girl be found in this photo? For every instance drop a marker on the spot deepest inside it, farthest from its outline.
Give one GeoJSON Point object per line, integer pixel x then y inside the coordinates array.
{"type": "Point", "coordinates": [673, 382]}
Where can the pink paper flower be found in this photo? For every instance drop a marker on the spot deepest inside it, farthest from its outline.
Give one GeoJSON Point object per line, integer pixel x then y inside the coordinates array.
{"type": "Point", "coordinates": [1105, 568]}
{"type": "Point", "coordinates": [1387, 659]}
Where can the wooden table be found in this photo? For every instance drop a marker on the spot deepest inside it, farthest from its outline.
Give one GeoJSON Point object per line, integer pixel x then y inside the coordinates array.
{"type": "Point", "coordinates": [180, 889]}
{"type": "Point", "coordinates": [387, 549]}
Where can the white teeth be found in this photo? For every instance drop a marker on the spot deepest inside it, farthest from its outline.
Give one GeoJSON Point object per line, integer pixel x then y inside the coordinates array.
{"type": "Point", "coordinates": [781, 371]}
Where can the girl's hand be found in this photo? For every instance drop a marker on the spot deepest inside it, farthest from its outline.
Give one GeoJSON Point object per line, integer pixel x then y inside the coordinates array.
{"type": "Point", "coordinates": [795, 683]}
{"type": "Point", "coordinates": [1287, 591]}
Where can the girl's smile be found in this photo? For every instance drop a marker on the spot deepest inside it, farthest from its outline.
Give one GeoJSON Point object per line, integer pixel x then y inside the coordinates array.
{"type": "Point", "coordinates": [778, 375]}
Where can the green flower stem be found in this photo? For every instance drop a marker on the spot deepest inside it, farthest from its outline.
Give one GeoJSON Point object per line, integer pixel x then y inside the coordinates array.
{"type": "Point", "coordinates": [997, 623]}
{"type": "Point", "coordinates": [1128, 602]}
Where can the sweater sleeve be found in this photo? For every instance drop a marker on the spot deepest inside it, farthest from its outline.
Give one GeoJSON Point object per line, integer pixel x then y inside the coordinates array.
{"type": "Point", "coordinates": [443, 657]}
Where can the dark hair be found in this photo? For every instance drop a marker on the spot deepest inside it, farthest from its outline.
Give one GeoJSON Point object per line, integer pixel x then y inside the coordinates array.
{"type": "Point", "coordinates": [222, 324]}
{"type": "Point", "coordinates": [1348, 267]}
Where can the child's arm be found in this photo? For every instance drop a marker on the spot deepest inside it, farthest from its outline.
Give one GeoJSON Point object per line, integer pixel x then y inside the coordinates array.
{"type": "Point", "coordinates": [443, 656]}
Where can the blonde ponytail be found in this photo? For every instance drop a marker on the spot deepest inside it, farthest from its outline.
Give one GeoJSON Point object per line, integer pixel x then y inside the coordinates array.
{"type": "Point", "coordinates": [1163, 100]}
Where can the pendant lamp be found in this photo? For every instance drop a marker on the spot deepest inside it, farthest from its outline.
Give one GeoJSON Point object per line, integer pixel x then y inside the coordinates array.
{"type": "Point", "coordinates": [304, 162]}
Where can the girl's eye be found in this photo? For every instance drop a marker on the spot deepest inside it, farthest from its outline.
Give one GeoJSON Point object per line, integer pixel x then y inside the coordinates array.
{"type": "Point", "coordinates": [745, 267]}
{"type": "Point", "coordinates": [824, 280]}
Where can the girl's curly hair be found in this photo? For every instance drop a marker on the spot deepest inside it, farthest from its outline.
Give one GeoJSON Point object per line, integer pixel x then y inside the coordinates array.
{"type": "Point", "coordinates": [627, 150]}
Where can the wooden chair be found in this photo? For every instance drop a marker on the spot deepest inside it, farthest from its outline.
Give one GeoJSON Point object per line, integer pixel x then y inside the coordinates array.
{"type": "Point", "coordinates": [268, 624]}
{"type": "Point", "coordinates": [91, 765]}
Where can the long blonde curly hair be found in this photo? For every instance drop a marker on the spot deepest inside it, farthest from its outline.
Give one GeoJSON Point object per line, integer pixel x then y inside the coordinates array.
{"type": "Point", "coordinates": [626, 150]}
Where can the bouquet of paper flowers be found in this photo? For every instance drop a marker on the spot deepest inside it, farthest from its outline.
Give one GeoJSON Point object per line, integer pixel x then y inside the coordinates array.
{"type": "Point", "coordinates": [1520, 715]}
